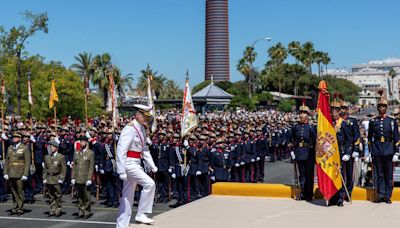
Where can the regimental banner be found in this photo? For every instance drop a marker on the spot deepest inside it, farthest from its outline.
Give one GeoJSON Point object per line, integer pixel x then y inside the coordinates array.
{"type": "Point", "coordinates": [30, 99]}
{"type": "Point", "coordinates": [53, 94]}
{"type": "Point", "coordinates": [327, 149]}
{"type": "Point", "coordinates": [189, 118]}
{"type": "Point", "coordinates": [150, 103]}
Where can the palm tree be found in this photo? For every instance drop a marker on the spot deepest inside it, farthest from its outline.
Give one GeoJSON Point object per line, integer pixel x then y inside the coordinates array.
{"type": "Point", "coordinates": [317, 56]}
{"type": "Point", "coordinates": [392, 74]}
{"type": "Point", "coordinates": [307, 52]}
{"type": "Point", "coordinates": [122, 82]}
{"type": "Point", "coordinates": [277, 55]}
{"type": "Point", "coordinates": [84, 68]}
{"type": "Point", "coordinates": [172, 90]}
{"type": "Point", "coordinates": [102, 65]}
{"type": "Point", "coordinates": [326, 60]}
{"type": "Point", "coordinates": [245, 67]}
{"type": "Point", "coordinates": [294, 49]}
{"type": "Point", "coordinates": [157, 85]}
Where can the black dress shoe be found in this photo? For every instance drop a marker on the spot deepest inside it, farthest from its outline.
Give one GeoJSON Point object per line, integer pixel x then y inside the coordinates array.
{"type": "Point", "coordinates": [388, 201]}
{"type": "Point", "coordinates": [87, 216]}
{"type": "Point", "coordinates": [339, 204]}
{"type": "Point", "coordinates": [19, 213]}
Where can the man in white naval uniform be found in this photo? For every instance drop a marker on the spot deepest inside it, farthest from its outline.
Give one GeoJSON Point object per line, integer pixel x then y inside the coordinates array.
{"type": "Point", "coordinates": [131, 148]}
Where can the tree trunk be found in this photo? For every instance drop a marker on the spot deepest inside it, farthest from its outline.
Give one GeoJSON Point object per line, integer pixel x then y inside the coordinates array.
{"type": "Point", "coordinates": [18, 84]}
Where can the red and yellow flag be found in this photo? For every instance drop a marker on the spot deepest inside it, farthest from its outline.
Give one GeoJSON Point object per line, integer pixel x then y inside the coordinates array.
{"type": "Point", "coordinates": [53, 94]}
{"type": "Point", "coordinates": [327, 150]}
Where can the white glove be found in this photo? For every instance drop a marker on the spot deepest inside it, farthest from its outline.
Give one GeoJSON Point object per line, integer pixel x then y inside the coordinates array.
{"type": "Point", "coordinates": [60, 181]}
{"type": "Point", "coordinates": [3, 136]}
{"type": "Point", "coordinates": [185, 143]}
{"type": "Point", "coordinates": [292, 155]}
{"type": "Point", "coordinates": [212, 178]}
{"type": "Point", "coordinates": [101, 171]}
{"type": "Point", "coordinates": [170, 170]}
{"type": "Point", "coordinates": [242, 163]}
{"type": "Point", "coordinates": [44, 181]}
{"type": "Point", "coordinates": [395, 158]}
{"type": "Point", "coordinates": [24, 178]}
{"type": "Point", "coordinates": [198, 173]}
{"type": "Point", "coordinates": [1, 164]}
{"type": "Point", "coordinates": [73, 181]}
{"type": "Point", "coordinates": [32, 138]}
{"type": "Point", "coordinates": [258, 159]}
{"type": "Point", "coordinates": [71, 165]}
{"type": "Point", "coordinates": [368, 159]}
{"type": "Point", "coordinates": [5, 177]}
{"type": "Point", "coordinates": [89, 182]}
{"type": "Point", "coordinates": [57, 140]}
{"type": "Point", "coordinates": [154, 170]}
{"type": "Point", "coordinates": [346, 157]}
{"type": "Point", "coordinates": [96, 167]}
{"type": "Point", "coordinates": [252, 160]}
{"type": "Point", "coordinates": [173, 176]}
{"type": "Point", "coordinates": [68, 163]}
{"type": "Point", "coordinates": [87, 135]}
{"type": "Point", "coordinates": [123, 176]}
{"type": "Point", "coordinates": [355, 154]}
{"type": "Point", "coordinates": [43, 165]}
{"type": "Point", "coordinates": [237, 164]}
{"type": "Point", "coordinates": [148, 141]}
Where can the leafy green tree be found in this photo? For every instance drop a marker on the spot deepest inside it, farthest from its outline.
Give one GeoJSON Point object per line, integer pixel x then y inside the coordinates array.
{"type": "Point", "coordinates": [14, 41]}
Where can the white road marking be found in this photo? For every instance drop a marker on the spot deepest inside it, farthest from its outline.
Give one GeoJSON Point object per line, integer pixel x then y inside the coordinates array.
{"type": "Point", "coordinates": [59, 220]}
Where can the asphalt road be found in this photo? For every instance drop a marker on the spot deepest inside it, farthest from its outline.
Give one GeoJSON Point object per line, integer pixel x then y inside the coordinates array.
{"type": "Point", "coordinates": [36, 214]}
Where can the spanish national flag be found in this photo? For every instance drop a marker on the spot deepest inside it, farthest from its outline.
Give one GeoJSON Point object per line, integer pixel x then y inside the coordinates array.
{"type": "Point", "coordinates": [53, 94]}
{"type": "Point", "coordinates": [327, 150]}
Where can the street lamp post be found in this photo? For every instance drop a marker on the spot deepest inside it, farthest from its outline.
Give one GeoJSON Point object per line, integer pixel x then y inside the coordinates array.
{"type": "Point", "coordinates": [251, 75]}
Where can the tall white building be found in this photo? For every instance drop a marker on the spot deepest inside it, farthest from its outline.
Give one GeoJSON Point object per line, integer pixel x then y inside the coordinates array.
{"type": "Point", "coordinates": [372, 77]}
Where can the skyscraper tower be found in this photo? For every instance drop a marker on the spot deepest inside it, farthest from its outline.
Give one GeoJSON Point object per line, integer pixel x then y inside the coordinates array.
{"type": "Point", "coordinates": [217, 40]}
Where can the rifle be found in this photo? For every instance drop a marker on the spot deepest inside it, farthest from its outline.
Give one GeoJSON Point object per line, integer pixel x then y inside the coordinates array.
{"type": "Point", "coordinates": [297, 189]}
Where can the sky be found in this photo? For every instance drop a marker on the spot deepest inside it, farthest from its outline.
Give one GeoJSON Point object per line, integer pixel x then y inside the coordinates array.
{"type": "Point", "coordinates": [170, 34]}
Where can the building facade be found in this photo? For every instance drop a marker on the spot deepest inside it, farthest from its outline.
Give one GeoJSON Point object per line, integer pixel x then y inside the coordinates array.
{"type": "Point", "coordinates": [217, 40]}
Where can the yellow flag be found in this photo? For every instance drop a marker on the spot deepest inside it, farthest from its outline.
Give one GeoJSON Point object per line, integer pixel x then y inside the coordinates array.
{"type": "Point", "coordinates": [53, 94]}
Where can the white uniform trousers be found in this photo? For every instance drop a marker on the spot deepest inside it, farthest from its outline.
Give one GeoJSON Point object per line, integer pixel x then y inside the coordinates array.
{"type": "Point", "coordinates": [136, 175]}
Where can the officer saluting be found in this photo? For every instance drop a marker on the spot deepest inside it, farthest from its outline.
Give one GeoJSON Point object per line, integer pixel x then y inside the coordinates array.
{"type": "Point", "coordinates": [16, 170]}
{"type": "Point", "coordinates": [383, 139]}
{"type": "Point", "coordinates": [55, 169]}
{"type": "Point", "coordinates": [303, 139]}
{"type": "Point", "coordinates": [131, 148]}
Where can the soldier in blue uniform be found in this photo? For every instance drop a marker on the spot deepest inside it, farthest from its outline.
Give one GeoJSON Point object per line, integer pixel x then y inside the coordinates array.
{"type": "Point", "coordinates": [107, 167]}
{"type": "Point", "coordinates": [192, 150]}
{"type": "Point", "coordinates": [204, 165]}
{"type": "Point", "coordinates": [28, 184]}
{"type": "Point", "coordinates": [353, 146]}
{"type": "Point", "coordinates": [383, 139]}
{"type": "Point", "coordinates": [220, 163]}
{"type": "Point", "coordinates": [67, 149]}
{"type": "Point", "coordinates": [163, 166]}
{"type": "Point", "coordinates": [344, 144]}
{"type": "Point", "coordinates": [39, 142]}
{"type": "Point", "coordinates": [303, 140]}
{"type": "Point", "coordinates": [261, 148]}
{"type": "Point", "coordinates": [274, 142]}
{"type": "Point", "coordinates": [177, 162]}
{"type": "Point", "coordinates": [235, 148]}
{"type": "Point", "coordinates": [249, 151]}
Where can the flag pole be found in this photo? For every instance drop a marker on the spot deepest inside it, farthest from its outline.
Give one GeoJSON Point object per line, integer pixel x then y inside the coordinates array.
{"type": "Point", "coordinates": [55, 112]}
{"type": "Point", "coordinates": [3, 99]}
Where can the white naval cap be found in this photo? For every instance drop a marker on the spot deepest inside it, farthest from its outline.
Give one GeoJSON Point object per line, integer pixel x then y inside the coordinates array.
{"type": "Point", "coordinates": [143, 108]}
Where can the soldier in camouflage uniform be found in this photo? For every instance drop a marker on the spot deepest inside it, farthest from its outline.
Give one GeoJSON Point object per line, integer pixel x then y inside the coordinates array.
{"type": "Point", "coordinates": [55, 169]}
{"type": "Point", "coordinates": [82, 177]}
{"type": "Point", "coordinates": [16, 171]}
